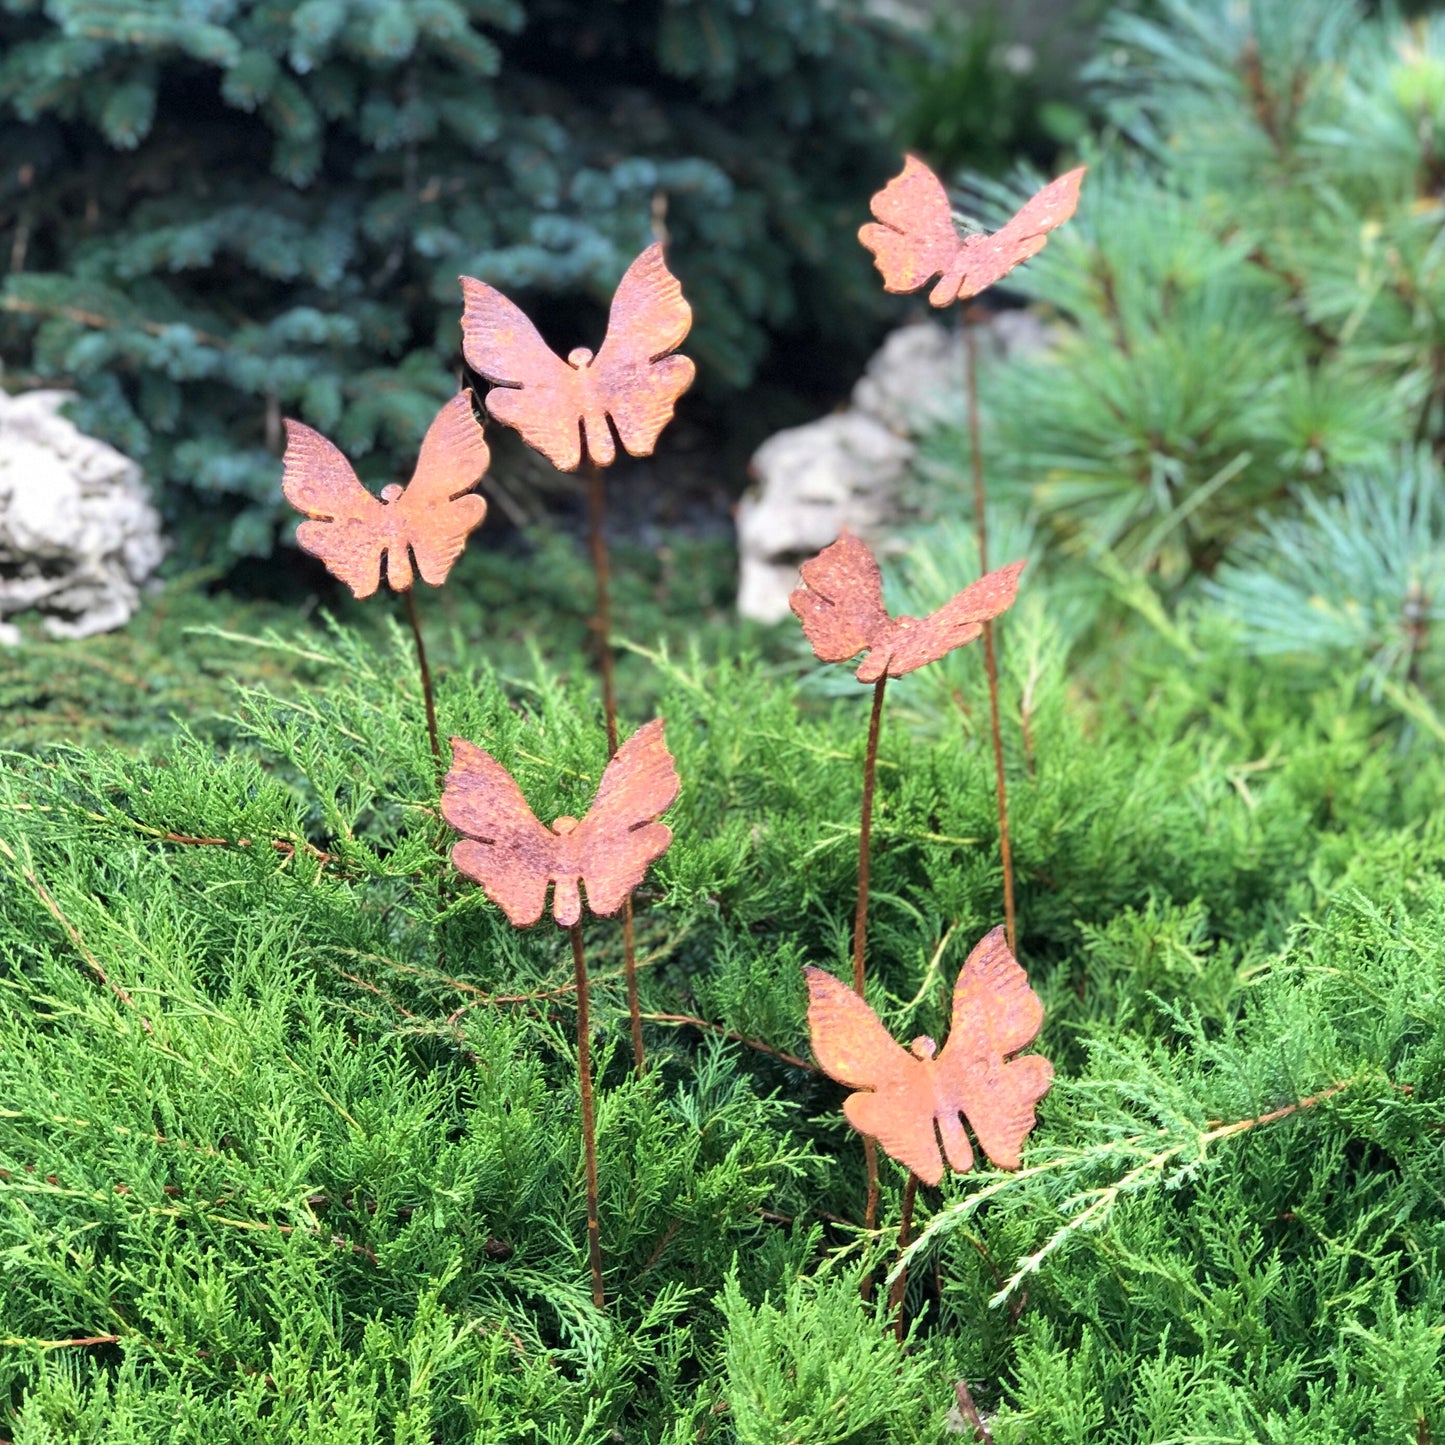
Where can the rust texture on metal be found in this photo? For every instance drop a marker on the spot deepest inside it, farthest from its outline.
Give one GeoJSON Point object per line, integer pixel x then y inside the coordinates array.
{"type": "Point", "coordinates": [907, 1099]}
{"type": "Point", "coordinates": [514, 857]}
{"type": "Point", "coordinates": [633, 382]}
{"type": "Point", "coordinates": [914, 239]}
{"type": "Point", "coordinates": [840, 605]}
{"type": "Point", "coordinates": [429, 519]}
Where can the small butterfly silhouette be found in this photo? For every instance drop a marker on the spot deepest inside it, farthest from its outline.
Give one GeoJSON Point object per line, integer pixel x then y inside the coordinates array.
{"type": "Point", "coordinates": [514, 857]}
{"type": "Point", "coordinates": [904, 1095]}
{"type": "Point", "coordinates": [429, 519]}
{"type": "Point", "coordinates": [633, 380]}
{"type": "Point", "coordinates": [914, 239]}
{"type": "Point", "coordinates": [840, 605]}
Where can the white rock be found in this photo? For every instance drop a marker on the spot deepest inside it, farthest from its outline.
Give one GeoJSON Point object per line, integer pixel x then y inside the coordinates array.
{"type": "Point", "coordinates": [846, 470]}
{"type": "Point", "coordinates": [915, 379]}
{"type": "Point", "coordinates": [813, 480]}
{"type": "Point", "coordinates": [78, 535]}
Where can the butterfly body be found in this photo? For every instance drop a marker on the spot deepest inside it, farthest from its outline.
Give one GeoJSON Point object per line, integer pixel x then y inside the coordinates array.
{"type": "Point", "coordinates": [913, 238]}
{"type": "Point", "coordinates": [515, 858]}
{"type": "Point", "coordinates": [911, 1101]}
{"type": "Point", "coordinates": [840, 605]}
{"type": "Point", "coordinates": [353, 532]}
{"type": "Point", "coordinates": [563, 407]}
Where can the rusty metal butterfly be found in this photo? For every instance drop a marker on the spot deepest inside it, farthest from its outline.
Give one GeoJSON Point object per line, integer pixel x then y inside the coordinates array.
{"type": "Point", "coordinates": [908, 1099]}
{"type": "Point", "coordinates": [914, 238]}
{"type": "Point", "coordinates": [429, 519]}
{"type": "Point", "coordinates": [514, 857]}
{"type": "Point", "coordinates": [633, 382]}
{"type": "Point", "coordinates": [840, 605]}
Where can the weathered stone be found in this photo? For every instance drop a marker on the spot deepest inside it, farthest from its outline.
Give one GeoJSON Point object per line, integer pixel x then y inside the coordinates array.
{"type": "Point", "coordinates": [812, 480]}
{"type": "Point", "coordinates": [78, 535]}
{"type": "Point", "coordinates": [847, 470]}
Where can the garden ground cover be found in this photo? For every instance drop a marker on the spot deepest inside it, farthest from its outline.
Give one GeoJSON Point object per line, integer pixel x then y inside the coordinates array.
{"type": "Point", "coordinates": [288, 1120]}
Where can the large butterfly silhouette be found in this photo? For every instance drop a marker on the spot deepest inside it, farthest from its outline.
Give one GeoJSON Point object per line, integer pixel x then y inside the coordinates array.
{"type": "Point", "coordinates": [429, 519]}
{"type": "Point", "coordinates": [905, 1096]}
{"type": "Point", "coordinates": [914, 239]}
{"type": "Point", "coordinates": [633, 381]}
{"type": "Point", "coordinates": [840, 605]}
{"type": "Point", "coordinates": [514, 857]}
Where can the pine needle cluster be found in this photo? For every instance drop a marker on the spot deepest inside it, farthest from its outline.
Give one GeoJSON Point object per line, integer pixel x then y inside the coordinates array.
{"type": "Point", "coordinates": [1242, 399]}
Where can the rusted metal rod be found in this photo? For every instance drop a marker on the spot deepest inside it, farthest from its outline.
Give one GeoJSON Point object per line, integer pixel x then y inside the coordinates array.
{"type": "Point", "coordinates": [602, 626]}
{"type": "Point", "coordinates": [990, 657]}
{"type": "Point", "coordinates": [860, 913]}
{"type": "Point", "coordinates": [426, 684]}
{"type": "Point", "coordinates": [589, 1126]}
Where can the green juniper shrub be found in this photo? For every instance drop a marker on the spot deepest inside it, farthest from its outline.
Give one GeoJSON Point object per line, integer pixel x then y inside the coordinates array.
{"type": "Point", "coordinates": [289, 1129]}
{"type": "Point", "coordinates": [290, 1117]}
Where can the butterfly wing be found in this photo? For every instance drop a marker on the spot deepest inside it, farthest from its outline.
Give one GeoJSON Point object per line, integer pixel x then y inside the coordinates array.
{"type": "Point", "coordinates": [349, 529]}
{"type": "Point", "coordinates": [533, 389]}
{"type": "Point", "coordinates": [987, 259]}
{"type": "Point", "coordinates": [620, 836]}
{"type": "Point", "coordinates": [913, 643]}
{"type": "Point", "coordinates": [840, 603]}
{"type": "Point", "coordinates": [913, 239]}
{"type": "Point", "coordinates": [637, 378]}
{"type": "Point", "coordinates": [434, 509]}
{"type": "Point", "coordinates": [995, 1013]}
{"type": "Point", "coordinates": [505, 849]}
{"type": "Point", "coordinates": [900, 1124]}
{"type": "Point", "coordinates": [852, 1046]}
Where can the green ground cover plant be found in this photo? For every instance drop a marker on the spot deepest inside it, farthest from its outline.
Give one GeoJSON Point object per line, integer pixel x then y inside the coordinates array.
{"type": "Point", "coordinates": [284, 1123]}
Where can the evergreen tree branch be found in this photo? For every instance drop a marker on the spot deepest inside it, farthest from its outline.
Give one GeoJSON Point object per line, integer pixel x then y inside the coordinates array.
{"type": "Point", "coordinates": [98, 322]}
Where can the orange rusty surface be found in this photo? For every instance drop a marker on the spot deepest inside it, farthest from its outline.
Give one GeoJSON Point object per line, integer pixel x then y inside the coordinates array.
{"type": "Point", "coordinates": [514, 857]}
{"type": "Point", "coordinates": [840, 605]}
{"type": "Point", "coordinates": [907, 1099]}
{"type": "Point", "coordinates": [634, 381]}
{"type": "Point", "coordinates": [350, 530]}
{"type": "Point", "coordinates": [914, 239]}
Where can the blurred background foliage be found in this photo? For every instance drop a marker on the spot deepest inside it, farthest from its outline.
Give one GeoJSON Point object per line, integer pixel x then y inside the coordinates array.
{"type": "Point", "coordinates": [221, 213]}
{"type": "Point", "coordinates": [1242, 409]}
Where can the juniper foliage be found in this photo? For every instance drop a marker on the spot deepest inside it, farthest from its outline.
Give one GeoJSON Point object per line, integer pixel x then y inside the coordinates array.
{"type": "Point", "coordinates": [287, 1127]}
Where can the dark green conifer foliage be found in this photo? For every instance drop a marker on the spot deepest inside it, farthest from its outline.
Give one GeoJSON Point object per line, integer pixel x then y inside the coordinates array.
{"type": "Point", "coordinates": [217, 214]}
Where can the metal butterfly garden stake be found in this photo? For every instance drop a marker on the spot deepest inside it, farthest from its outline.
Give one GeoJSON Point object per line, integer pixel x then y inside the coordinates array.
{"type": "Point", "coordinates": [427, 522]}
{"type": "Point", "coordinates": [514, 857]}
{"type": "Point", "coordinates": [909, 1100]}
{"type": "Point", "coordinates": [581, 408]}
{"type": "Point", "coordinates": [913, 239]}
{"type": "Point", "coordinates": [840, 605]}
